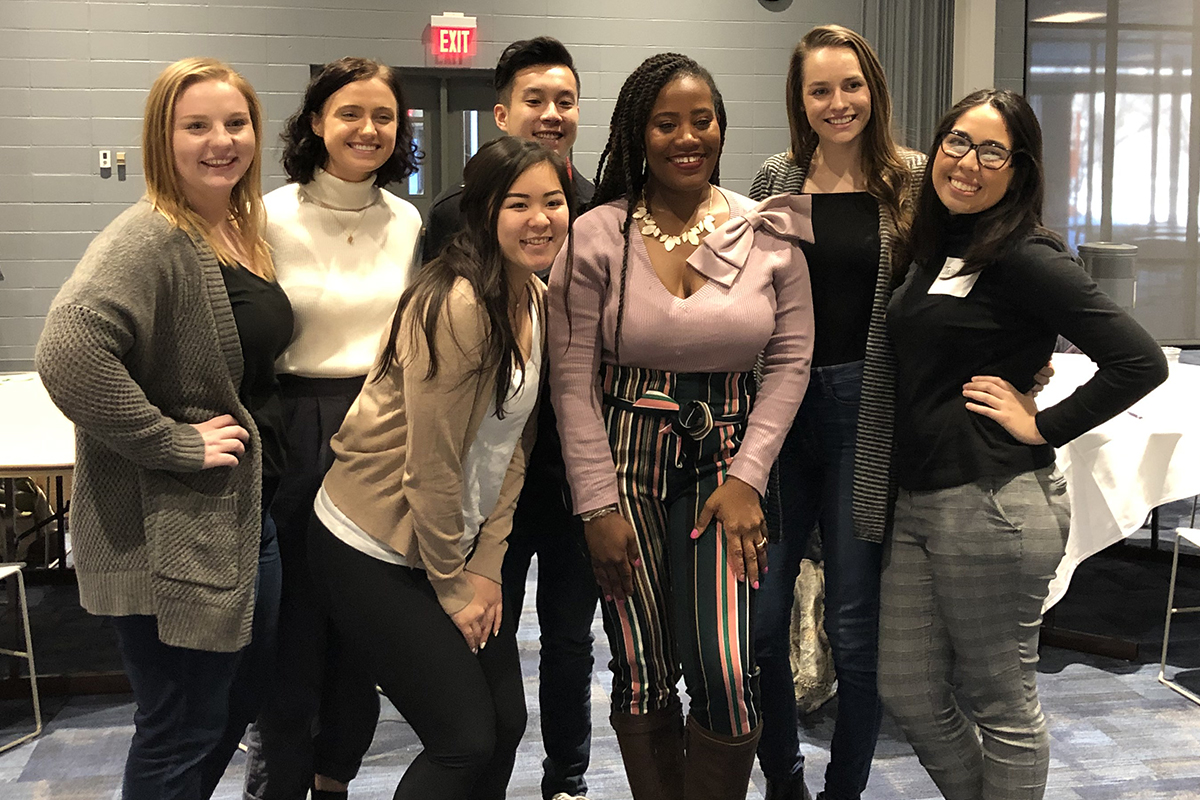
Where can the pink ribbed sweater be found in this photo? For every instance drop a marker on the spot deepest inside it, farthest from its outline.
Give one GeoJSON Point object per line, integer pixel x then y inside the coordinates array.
{"type": "Point", "coordinates": [757, 300]}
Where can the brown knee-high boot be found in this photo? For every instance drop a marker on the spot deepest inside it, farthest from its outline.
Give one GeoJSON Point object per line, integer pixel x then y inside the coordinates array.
{"type": "Point", "coordinates": [652, 749]}
{"type": "Point", "coordinates": [718, 767]}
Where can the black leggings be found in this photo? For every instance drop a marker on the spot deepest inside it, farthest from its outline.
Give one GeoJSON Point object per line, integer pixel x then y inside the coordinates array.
{"type": "Point", "coordinates": [467, 709]}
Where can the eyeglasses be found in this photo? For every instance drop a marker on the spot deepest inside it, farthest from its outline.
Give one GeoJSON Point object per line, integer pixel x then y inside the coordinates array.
{"type": "Point", "coordinates": [991, 156]}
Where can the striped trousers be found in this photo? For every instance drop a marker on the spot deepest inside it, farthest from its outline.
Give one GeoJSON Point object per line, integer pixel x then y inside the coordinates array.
{"type": "Point", "coordinates": [688, 615]}
{"type": "Point", "coordinates": [965, 572]}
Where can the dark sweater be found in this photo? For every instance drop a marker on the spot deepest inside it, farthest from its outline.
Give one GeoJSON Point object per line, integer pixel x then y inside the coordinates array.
{"type": "Point", "coordinates": [1005, 325]}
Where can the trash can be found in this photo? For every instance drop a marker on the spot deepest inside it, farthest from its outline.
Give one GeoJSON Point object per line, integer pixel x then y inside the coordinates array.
{"type": "Point", "coordinates": [1113, 267]}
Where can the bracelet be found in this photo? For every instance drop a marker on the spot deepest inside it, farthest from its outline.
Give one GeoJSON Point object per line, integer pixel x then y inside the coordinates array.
{"type": "Point", "coordinates": [597, 513]}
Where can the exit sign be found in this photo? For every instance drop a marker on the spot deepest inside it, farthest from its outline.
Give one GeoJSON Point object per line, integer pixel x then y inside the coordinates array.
{"type": "Point", "coordinates": [452, 36]}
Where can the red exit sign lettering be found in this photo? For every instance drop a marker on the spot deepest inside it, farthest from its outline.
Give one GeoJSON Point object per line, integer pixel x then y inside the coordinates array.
{"type": "Point", "coordinates": [452, 36]}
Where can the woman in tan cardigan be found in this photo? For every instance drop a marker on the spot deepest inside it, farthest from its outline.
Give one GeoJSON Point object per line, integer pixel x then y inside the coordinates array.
{"type": "Point", "coordinates": [414, 514]}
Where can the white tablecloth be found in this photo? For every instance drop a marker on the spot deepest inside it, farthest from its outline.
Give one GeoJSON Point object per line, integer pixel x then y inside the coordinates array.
{"type": "Point", "coordinates": [1119, 471]}
{"type": "Point", "coordinates": [34, 435]}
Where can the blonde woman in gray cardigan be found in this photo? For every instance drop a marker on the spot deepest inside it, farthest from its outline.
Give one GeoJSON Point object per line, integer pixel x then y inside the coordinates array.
{"type": "Point", "coordinates": [142, 351]}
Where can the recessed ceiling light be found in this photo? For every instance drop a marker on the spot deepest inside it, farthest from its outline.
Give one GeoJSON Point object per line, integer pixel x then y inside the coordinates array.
{"type": "Point", "coordinates": [1073, 16]}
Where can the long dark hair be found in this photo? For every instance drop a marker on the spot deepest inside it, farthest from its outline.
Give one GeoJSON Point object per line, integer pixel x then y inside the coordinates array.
{"type": "Point", "coordinates": [887, 176]}
{"type": "Point", "coordinates": [622, 171]}
{"type": "Point", "coordinates": [474, 254]}
{"type": "Point", "coordinates": [1019, 211]}
{"type": "Point", "coordinates": [304, 151]}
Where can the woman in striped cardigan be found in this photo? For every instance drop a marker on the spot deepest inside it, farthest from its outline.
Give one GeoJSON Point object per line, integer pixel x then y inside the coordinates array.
{"type": "Point", "coordinates": [833, 468]}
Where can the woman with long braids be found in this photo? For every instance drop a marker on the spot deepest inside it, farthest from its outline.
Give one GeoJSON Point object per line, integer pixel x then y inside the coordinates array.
{"type": "Point", "coordinates": [833, 468]}
{"type": "Point", "coordinates": [676, 288]}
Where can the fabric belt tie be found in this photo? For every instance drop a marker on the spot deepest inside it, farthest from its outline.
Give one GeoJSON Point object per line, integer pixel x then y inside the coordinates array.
{"type": "Point", "coordinates": [694, 418]}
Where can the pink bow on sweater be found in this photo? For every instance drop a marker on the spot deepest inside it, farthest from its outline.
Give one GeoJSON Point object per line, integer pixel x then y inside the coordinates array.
{"type": "Point", "coordinates": [724, 251]}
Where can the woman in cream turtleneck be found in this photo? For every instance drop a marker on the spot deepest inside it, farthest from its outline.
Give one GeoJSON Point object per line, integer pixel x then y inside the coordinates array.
{"type": "Point", "coordinates": [342, 247]}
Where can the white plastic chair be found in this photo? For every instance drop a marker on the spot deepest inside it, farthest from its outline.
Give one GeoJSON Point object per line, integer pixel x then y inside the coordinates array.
{"type": "Point", "coordinates": [1192, 536]}
{"type": "Point", "coordinates": [9, 571]}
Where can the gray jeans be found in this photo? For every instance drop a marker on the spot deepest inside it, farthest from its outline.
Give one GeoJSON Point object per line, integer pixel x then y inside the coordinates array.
{"type": "Point", "coordinates": [965, 572]}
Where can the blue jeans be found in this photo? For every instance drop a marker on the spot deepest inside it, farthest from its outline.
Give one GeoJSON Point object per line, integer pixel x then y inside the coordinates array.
{"type": "Point", "coordinates": [816, 477]}
{"type": "Point", "coordinates": [194, 705]}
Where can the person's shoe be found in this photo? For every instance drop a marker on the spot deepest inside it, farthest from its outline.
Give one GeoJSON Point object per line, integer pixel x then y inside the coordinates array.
{"type": "Point", "coordinates": [793, 789]}
{"type": "Point", "coordinates": [565, 796]}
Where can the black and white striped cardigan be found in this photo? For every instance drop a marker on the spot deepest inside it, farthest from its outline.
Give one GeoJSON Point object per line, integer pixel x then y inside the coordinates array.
{"type": "Point", "coordinates": [874, 484]}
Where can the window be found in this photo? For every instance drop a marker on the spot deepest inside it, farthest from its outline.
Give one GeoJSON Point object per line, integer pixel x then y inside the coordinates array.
{"type": "Point", "coordinates": [1114, 86]}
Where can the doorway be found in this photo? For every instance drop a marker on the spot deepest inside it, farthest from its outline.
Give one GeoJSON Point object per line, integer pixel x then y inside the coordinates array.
{"type": "Point", "coordinates": [451, 114]}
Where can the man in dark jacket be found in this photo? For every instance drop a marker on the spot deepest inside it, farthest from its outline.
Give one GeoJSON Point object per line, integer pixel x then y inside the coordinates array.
{"type": "Point", "coordinates": [537, 92]}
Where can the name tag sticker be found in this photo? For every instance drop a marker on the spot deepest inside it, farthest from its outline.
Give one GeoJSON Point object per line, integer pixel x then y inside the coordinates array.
{"type": "Point", "coordinates": [949, 282]}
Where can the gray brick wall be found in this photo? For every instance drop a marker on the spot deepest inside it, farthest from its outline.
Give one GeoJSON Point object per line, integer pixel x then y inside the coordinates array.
{"type": "Point", "coordinates": [1010, 44]}
{"type": "Point", "coordinates": [74, 75]}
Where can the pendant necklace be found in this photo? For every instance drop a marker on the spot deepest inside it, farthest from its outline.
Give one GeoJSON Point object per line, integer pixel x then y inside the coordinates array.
{"type": "Point", "coordinates": [347, 230]}
{"type": "Point", "coordinates": [692, 235]}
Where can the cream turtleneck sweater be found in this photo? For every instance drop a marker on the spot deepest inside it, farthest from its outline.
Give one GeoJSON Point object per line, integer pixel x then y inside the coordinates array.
{"type": "Point", "coordinates": [343, 293]}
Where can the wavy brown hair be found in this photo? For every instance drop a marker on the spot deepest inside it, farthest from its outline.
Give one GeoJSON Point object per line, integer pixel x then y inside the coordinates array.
{"type": "Point", "coordinates": [163, 187]}
{"type": "Point", "coordinates": [882, 164]}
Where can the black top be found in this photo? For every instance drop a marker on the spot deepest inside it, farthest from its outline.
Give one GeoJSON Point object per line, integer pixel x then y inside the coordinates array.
{"type": "Point", "coordinates": [843, 264]}
{"type": "Point", "coordinates": [1004, 324]}
{"type": "Point", "coordinates": [446, 219]}
{"type": "Point", "coordinates": [264, 324]}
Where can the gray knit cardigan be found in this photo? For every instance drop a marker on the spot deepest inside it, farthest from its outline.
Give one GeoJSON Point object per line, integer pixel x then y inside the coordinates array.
{"type": "Point", "coordinates": [139, 343]}
{"type": "Point", "coordinates": [874, 485]}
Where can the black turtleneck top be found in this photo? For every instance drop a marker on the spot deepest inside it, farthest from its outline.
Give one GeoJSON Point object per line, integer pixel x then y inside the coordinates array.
{"type": "Point", "coordinates": [1003, 321]}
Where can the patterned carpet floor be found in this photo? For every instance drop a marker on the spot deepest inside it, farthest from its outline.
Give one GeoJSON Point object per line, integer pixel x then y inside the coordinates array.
{"type": "Point", "coordinates": [1116, 732]}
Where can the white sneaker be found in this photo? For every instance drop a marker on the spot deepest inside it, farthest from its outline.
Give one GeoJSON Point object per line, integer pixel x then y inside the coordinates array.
{"type": "Point", "coordinates": [565, 796]}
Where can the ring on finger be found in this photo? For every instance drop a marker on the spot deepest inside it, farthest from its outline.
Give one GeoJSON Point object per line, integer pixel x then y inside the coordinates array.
{"type": "Point", "coordinates": [761, 544]}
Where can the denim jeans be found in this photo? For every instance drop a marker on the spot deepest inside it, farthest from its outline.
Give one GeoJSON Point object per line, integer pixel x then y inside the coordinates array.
{"type": "Point", "coordinates": [194, 705]}
{"type": "Point", "coordinates": [816, 476]}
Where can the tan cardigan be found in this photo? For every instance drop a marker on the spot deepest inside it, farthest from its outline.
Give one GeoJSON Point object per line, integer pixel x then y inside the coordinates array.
{"type": "Point", "coordinates": [402, 483]}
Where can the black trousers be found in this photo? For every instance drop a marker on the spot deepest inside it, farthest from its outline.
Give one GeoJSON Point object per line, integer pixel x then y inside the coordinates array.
{"type": "Point", "coordinates": [566, 606]}
{"type": "Point", "coordinates": [468, 709]}
{"type": "Point", "coordinates": [320, 715]}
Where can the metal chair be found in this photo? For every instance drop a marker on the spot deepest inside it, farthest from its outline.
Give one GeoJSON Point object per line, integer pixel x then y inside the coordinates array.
{"type": "Point", "coordinates": [1192, 536]}
{"type": "Point", "coordinates": [8, 572]}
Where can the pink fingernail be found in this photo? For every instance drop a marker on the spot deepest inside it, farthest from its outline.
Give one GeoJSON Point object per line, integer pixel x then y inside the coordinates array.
{"type": "Point", "coordinates": [755, 584]}
{"type": "Point", "coordinates": [608, 597]}
{"type": "Point", "coordinates": [764, 569]}
{"type": "Point", "coordinates": [637, 562]}
{"type": "Point", "coordinates": [695, 533]}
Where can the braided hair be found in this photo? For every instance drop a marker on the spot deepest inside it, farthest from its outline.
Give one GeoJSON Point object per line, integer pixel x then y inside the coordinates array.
{"type": "Point", "coordinates": [622, 171]}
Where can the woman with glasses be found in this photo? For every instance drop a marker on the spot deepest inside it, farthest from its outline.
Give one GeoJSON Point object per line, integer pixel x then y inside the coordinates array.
{"type": "Point", "coordinates": [982, 515]}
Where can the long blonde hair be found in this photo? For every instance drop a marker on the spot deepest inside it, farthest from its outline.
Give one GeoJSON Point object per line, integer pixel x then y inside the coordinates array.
{"type": "Point", "coordinates": [882, 163]}
{"type": "Point", "coordinates": [163, 187]}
